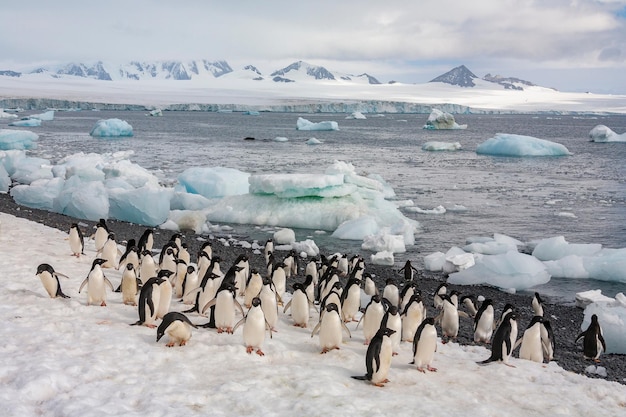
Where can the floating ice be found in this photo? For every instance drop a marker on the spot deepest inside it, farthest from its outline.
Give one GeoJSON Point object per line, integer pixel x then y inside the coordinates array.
{"type": "Point", "coordinates": [17, 139]}
{"type": "Point", "coordinates": [492, 246]}
{"type": "Point", "coordinates": [251, 113]}
{"type": "Point", "coordinates": [156, 113]}
{"type": "Point", "coordinates": [441, 146]}
{"type": "Point", "coordinates": [314, 141]}
{"type": "Point", "coordinates": [300, 185]}
{"type": "Point", "coordinates": [148, 205]}
{"type": "Point", "coordinates": [304, 124]}
{"type": "Point", "coordinates": [284, 236]}
{"type": "Point", "coordinates": [511, 270]}
{"type": "Point", "coordinates": [214, 182]}
{"type": "Point", "coordinates": [382, 258]}
{"type": "Point", "coordinates": [308, 246]}
{"type": "Point", "coordinates": [583, 299]}
{"type": "Point", "coordinates": [356, 115]}
{"type": "Point", "coordinates": [601, 133]}
{"type": "Point", "coordinates": [435, 261]}
{"type": "Point", "coordinates": [281, 139]}
{"type": "Point", "coordinates": [436, 210]}
{"type": "Point", "coordinates": [384, 241]}
{"type": "Point", "coordinates": [187, 201]}
{"type": "Point", "coordinates": [45, 116]}
{"type": "Point", "coordinates": [26, 123]}
{"type": "Point", "coordinates": [5, 115]}
{"type": "Point", "coordinates": [112, 128]}
{"type": "Point", "coordinates": [31, 169]}
{"type": "Point", "coordinates": [441, 120]}
{"type": "Point", "coordinates": [612, 319]}
{"type": "Point", "coordinates": [504, 144]}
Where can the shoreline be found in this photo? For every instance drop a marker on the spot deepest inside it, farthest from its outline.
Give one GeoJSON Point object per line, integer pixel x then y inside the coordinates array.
{"type": "Point", "coordinates": [565, 319]}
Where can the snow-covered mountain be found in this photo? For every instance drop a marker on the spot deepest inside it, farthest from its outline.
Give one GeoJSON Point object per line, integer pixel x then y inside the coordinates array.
{"type": "Point", "coordinates": [301, 71]}
{"type": "Point", "coordinates": [460, 76]}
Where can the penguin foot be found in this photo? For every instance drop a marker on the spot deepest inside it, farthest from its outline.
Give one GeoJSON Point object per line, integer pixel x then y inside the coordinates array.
{"type": "Point", "coordinates": [152, 326]}
{"type": "Point", "coordinates": [431, 369]}
{"type": "Point", "coordinates": [182, 343]}
{"type": "Point", "coordinates": [394, 354]}
{"type": "Point", "coordinates": [249, 349]}
{"type": "Point", "coordinates": [421, 370]}
{"type": "Point", "coordinates": [103, 304]}
{"type": "Point", "coordinates": [260, 352]}
{"type": "Point", "coordinates": [170, 344]}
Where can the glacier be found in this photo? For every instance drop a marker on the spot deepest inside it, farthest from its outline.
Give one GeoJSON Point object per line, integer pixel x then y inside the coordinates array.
{"type": "Point", "coordinates": [110, 128]}
{"type": "Point", "coordinates": [505, 144]}
{"type": "Point", "coordinates": [17, 139]}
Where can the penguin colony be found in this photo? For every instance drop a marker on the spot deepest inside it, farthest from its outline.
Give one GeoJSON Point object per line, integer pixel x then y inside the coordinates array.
{"type": "Point", "coordinates": [175, 295]}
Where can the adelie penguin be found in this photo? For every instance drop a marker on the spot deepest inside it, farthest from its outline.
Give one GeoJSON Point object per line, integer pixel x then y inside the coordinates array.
{"type": "Point", "coordinates": [149, 298]}
{"type": "Point", "coordinates": [593, 341]}
{"type": "Point", "coordinates": [96, 284]}
{"type": "Point", "coordinates": [178, 328]}
{"type": "Point", "coordinates": [330, 328]}
{"type": "Point", "coordinates": [378, 358]}
{"type": "Point", "coordinates": [77, 242]}
{"type": "Point", "coordinates": [425, 345]}
{"type": "Point", "coordinates": [254, 326]}
{"type": "Point", "coordinates": [503, 340]}
{"type": "Point", "coordinates": [50, 280]}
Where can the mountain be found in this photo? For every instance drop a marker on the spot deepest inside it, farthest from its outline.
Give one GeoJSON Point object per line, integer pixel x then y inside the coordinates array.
{"type": "Point", "coordinates": [509, 83]}
{"type": "Point", "coordinates": [460, 76]}
{"type": "Point", "coordinates": [302, 71]}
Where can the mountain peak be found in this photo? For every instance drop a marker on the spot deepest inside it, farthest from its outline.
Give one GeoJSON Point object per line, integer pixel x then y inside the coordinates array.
{"type": "Point", "coordinates": [460, 76]}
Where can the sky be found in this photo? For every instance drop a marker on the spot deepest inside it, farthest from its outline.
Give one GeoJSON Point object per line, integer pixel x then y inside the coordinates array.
{"type": "Point", "coordinates": [571, 45]}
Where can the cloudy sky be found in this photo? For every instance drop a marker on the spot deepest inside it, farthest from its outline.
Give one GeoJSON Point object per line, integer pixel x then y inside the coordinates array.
{"type": "Point", "coordinates": [572, 45]}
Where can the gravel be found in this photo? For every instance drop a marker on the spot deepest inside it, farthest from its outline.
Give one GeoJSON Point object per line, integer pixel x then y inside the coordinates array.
{"type": "Point", "coordinates": [565, 319]}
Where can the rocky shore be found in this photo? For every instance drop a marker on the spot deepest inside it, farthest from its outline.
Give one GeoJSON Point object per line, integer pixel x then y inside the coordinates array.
{"type": "Point", "coordinates": [565, 320]}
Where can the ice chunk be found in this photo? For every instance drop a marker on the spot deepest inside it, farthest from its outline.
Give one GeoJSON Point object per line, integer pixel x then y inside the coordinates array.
{"type": "Point", "coordinates": [281, 139]}
{"type": "Point", "coordinates": [384, 241]}
{"type": "Point", "coordinates": [304, 124]}
{"type": "Point", "coordinates": [557, 247]}
{"type": "Point", "coordinates": [134, 174]}
{"type": "Point", "coordinates": [612, 319]}
{"type": "Point", "coordinates": [45, 116]}
{"type": "Point", "coordinates": [5, 180]}
{"type": "Point", "coordinates": [442, 120]}
{"type": "Point", "coordinates": [148, 205]}
{"type": "Point", "coordinates": [441, 146]}
{"type": "Point", "coordinates": [314, 141]}
{"type": "Point", "coordinates": [382, 258]}
{"type": "Point", "coordinates": [83, 199]}
{"type": "Point", "coordinates": [26, 123]}
{"type": "Point", "coordinates": [17, 139]}
{"type": "Point", "coordinates": [5, 115]}
{"type": "Point", "coordinates": [308, 246]}
{"type": "Point", "coordinates": [156, 113]}
{"type": "Point", "coordinates": [356, 229]}
{"type": "Point", "coordinates": [435, 261]}
{"type": "Point", "coordinates": [88, 167]}
{"type": "Point", "coordinates": [214, 182]}
{"type": "Point", "coordinates": [492, 246]}
{"type": "Point", "coordinates": [509, 270]}
{"type": "Point", "coordinates": [436, 210]}
{"type": "Point", "coordinates": [583, 299]}
{"type": "Point", "coordinates": [284, 236]}
{"type": "Point", "coordinates": [300, 185]}
{"type": "Point", "coordinates": [40, 194]}
{"type": "Point", "coordinates": [31, 169]}
{"type": "Point", "coordinates": [186, 220]}
{"type": "Point", "coordinates": [112, 128]}
{"type": "Point", "coordinates": [187, 201]}
{"type": "Point", "coordinates": [504, 144]}
{"type": "Point", "coordinates": [356, 115]}
{"type": "Point", "coordinates": [601, 133]}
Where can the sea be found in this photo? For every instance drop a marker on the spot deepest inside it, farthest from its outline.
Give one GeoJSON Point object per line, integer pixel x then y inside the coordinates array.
{"type": "Point", "coordinates": [581, 197]}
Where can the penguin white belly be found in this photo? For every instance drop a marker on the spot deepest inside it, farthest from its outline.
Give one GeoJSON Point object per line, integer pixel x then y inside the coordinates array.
{"type": "Point", "coordinates": [254, 328]}
{"type": "Point", "coordinates": [352, 303]}
{"type": "Point", "coordinates": [96, 290]}
{"type": "Point", "coordinates": [224, 311]}
{"type": "Point", "coordinates": [300, 309]}
{"type": "Point", "coordinates": [191, 284]}
{"type": "Point", "coordinates": [100, 238]}
{"type": "Point", "coordinates": [269, 306]}
{"type": "Point", "coordinates": [484, 327]}
{"type": "Point", "coordinates": [49, 283]}
{"type": "Point", "coordinates": [391, 293]}
{"type": "Point", "coordinates": [151, 316]}
{"type": "Point", "coordinates": [413, 318]}
{"type": "Point", "coordinates": [253, 289]}
{"type": "Point", "coordinates": [76, 245]}
{"type": "Point", "coordinates": [207, 294]}
{"type": "Point", "coordinates": [395, 323]}
{"type": "Point", "coordinates": [240, 282]}
{"type": "Point", "coordinates": [531, 348]}
{"type": "Point", "coordinates": [165, 298]}
{"type": "Point", "coordinates": [331, 334]}
{"type": "Point", "coordinates": [369, 287]}
{"type": "Point", "coordinates": [109, 252]}
{"type": "Point", "coordinates": [178, 332]}
{"type": "Point", "coordinates": [379, 375]}
{"type": "Point", "coordinates": [506, 354]}
{"type": "Point", "coordinates": [426, 347]}
{"type": "Point", "coordinates": [371, 321]}
{"type": "Point", "coordinates": [279, 279]}
{"type": "Point", "coordinates": [450, 320]}
{"type": "Point", "coordinates": [147, 269]}
{"type": "Point", "coordinates": [129, 287]}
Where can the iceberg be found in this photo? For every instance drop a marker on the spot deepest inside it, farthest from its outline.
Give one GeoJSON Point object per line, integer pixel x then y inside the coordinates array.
{"type": "Point", "coordinates": [583, 299]}
{"type": "Point", "coordinates": [612, 319]}
{"type": "Point", "coordinates": [601, 133]}
{"type": "Point", "coordinates": [511, 270]}
{"type": "Point", "coordinates": [356, 115]}
{"type": "Point", "coordinates": [382, 258]}
{"type": "Point", "coordinates": [83, 199]}
{"type": "Point", "coordinates": [45, 116]}
{"type": "Point", "coordinates": [300, 185]}
{"type": "Point", "coordinates": [112, 128]}
{"type": "Point", "coordinates": [26, 123]}
{"type": "Point", "coordinates": [148, 205]}
{"type": "Point", "coordinates": [441, 146]}
{"type": "Point", "coordinates": [17, 139]}
{"type": "Point", "coordinates": [441, 120]}
{"type": "Point", "coordinates": [284, 236]}
{"type": "Point", "coordinates": [5, 180]}
{"type": "Point", "coordinates": [214, 182]}
{"type": "Point", "coordinates": [40, 194]}
{"type": "Point", "coordinates": [313, 141]}
{"type": "Point", "coordinates": [5, 115]}
{"type": "Point", "coordinates": [304, 124]}
{"type": "Point", "coordinates": [504, 144]}
{"type": "Point", "coordinates": [555, 248]}
{"type": "Point", "coordinates": [31, 169]}
{"type": "Point", "coordinates": [156, 113]}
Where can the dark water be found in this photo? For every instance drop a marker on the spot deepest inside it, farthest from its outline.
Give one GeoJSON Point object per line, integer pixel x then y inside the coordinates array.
{"type": "Point", "coordinates": [582, 196]}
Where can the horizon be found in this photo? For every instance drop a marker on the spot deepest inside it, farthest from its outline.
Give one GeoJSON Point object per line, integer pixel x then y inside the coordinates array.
{"type": "Point", "coordinates": [407, 43]}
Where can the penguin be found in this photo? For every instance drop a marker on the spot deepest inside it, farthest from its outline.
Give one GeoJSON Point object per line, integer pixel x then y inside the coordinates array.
{"type": "Point", "coordinates": [333, 296]}
{"type": "Point", "coordinates": [330, 328]}
{"type": "Point", "coordinates": [109, 252]}
{"type": "Point", "coordinates": [342, 265]}
{"type": "Point", "coordinates": [508, 308]}
{"type": "Point", "coordinates": [177, 242]}
{"type": "Point", "coordinates": [437, 298]}
{"type": "Point", "coordinates": [279, 280]}
{"type": "Point", "coordinates": [268, 249]}
{"type": "Point", "coordinates": [131, 250]}
{"type": "Point", "coordinates": [178, 328]}
{"type": "Point", "coordinates": [242, 273]}
{"type": "Point", "coordinates": [269, 303]}
{"type": "Point", "coordinates": [205, 293]}
{"type": "Point", "coordinates": [537, 305]}
{"type": "Point", "coordinates": [327, 282]}
{"type": "Point", "coordinates": [547, 340]}
{"type": "Point", "coordinates": [167, 260]}
{"type": "Point", "coordinates": [374, 312]}
{"type": "Point", "coordinates": [369, 286]}
{"type": "Point", "coordinates": [408, 270]}
{"type": "Point", "coordinates": [207, 249]}
{"type": "Point", "coordinates": [130, 285]}
{"type": "Point", "coordinates": [190, 284]}
{"type": "Point", "coordinates": [311, 269]}
{"type": "Point", "coordinates": [253, 288]}
{"type": "Point", "coordinates": [147, 266]}
{"type": "Point", "coordinates": [165, 296]}
{"type": "Point", "coordinates": [225, 304]}
{"type": "Point", "coordinates": [254, 326]}
{"type": "Point", "coordinates": [183, 253]}
{"type": "Point", "coordinates": [593, 340]}
{"type": "Point", "coordinates": [309, 287]}
{"type": "Point", "coordinates": [391, 293]}
{"type": "Point", "coordinates": [425, 345]}
{"type": "Point", "coordinates": [413, 315]}
{"type": "Point", "coordinates": [179, 278]}
{"type": "Point", "coordinates": [503, 340]}
{"type": "Point", "coordinates": [146, 241]}
{"type": "Point", "coordinates": [393, 321]}
{"type": "Point", "coordinates": [484, 322]}
{"type": "Point", "coordinates": [204, 261]}
{"type": "Point", "coordinates": [291, 264]}
{"type": "Point", "coordinates": [351, 299]}
{"type": "Point", "coordinates": [300, 306]}
{"type": "Point", "coordinates": [531, 348]}
{"type": "Point", "coordinates": [77, 242]}
{"type": "Point", "coordinates": [50, 280]}
{"type": "Point", "coordinates": [454, 297]}
{"type": "Point", "coordinates": [378, 358]}
{"type": "Point", "coordinates": [149, 299]}
{"type": "Point", "coordinates": [407, 291]}
{"type": "Point", "coordinates": [101, 234]}
{"type": "Point", "coordinates": [449, 319]}
{"type": "Point", "coordinates": [469, 302]}
{"type": "Point", "coordinates": [96, 283]}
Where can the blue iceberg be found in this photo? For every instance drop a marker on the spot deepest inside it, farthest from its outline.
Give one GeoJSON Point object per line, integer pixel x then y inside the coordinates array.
{"type": "Point", "coordinates": [304, 124]}
{"type": "Point", "coordinates": [110, 128]}
{"type": "Point", "coordinates": [504, 144]}
{"type": "Point", "coordinates": [17, 139]}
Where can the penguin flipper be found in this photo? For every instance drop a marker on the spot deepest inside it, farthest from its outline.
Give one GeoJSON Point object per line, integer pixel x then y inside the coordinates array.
{"type": "Point", "coordinates": [343, 324]}
{"type": "Point", "coordinates": [238, 305]}
{"type": "Point", "coordinates": [360, 377]}
{"type": "Point", "coordinates": [269, 328]}
{"type": "Point", "coordinates": [85, 281]}
{"type": "Point", "coordinates": [107, 282]}
{"type": "Point", "coordinates": [601, 339]}
{"type": "Point", "coordinates": [239, 323]}
{"type": "Point", "coordinates": [359, 322]}
{"type": "Point", "coordinates": [316, 328]}
{"type": "Point", "coordinates": [61, 275]}
{"type": "Point", "coordinates": [209, 305]}
{"type": "Point", "coordinates": [287, 306]}
{"type": "Point", "coordinates": [464, 314]}
{"type": "Point", "coordinates": [517, 343]}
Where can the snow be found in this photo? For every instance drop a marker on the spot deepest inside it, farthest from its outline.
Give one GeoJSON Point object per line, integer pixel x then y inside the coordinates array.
{"type": "Point", "coordinates": [612, 318]}
{"type": "Point", "coordinates": [112, 128]}
{"type": "Point", "coordinates": [442, 120]}
{"type": "Point", "coordinates": [441, 146]}
{"type": "Point", "coordinates": [304, 124]}
{"type": "Point", "coordinates": [17, 139]}
{"type": "Point", "coordinates": [601, 133]}
{"type": "Point", "coordinates": [66, 358]}
{"type": "Point", "coordinates": [505, 144]}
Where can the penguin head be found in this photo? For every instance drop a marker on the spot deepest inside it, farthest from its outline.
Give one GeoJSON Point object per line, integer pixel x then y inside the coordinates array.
{"type": "Point", "coordinates": [164, 273]}
{"type": "Point", "coordinates": [393, 310]}
{"type": "Point", "coordinates": [130, 266]}
{"type": "Point", "coordinates": [298, 286]}
{"type": "Point", "coordinates": [190, 269]}
{"type": "Point", "coordinates": [46, 267]}
{"type": "Point", "coordinates": [256, 301]}
{"type": "Point", "coordinates": [332, 307]}
{"type": "Point", "coordinates": [430, 321]}
{"type": "Point", "coordinates": [375, 298]}
{"type": "Point", "coordinates": [594, 319]}
{"type": "Point", "coordinates": [111, 236]}
{"type": "Point", "coordinates": [98, 261]}
{"type": "Point", "coordinates": [386, 331]}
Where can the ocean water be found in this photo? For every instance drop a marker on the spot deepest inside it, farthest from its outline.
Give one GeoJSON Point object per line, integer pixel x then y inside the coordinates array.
{"type": "Point", "coordinates": [581, 197]}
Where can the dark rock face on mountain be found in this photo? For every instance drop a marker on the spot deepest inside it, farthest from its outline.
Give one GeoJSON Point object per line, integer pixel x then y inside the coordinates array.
{"type": "Point", "coordinates": [459, 76]}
